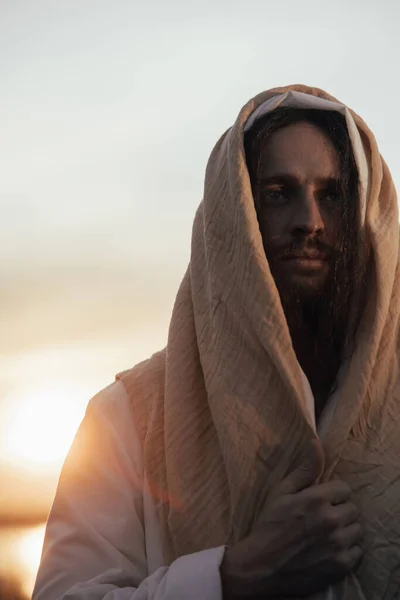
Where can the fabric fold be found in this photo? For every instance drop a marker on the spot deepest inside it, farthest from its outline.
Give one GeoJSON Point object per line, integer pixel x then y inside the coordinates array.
{"type": "Point", "coordinates": [222, 412]}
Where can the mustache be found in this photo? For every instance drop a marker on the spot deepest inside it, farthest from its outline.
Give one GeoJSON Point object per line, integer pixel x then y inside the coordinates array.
{"type": "Point", "coordinates": [309, 248]}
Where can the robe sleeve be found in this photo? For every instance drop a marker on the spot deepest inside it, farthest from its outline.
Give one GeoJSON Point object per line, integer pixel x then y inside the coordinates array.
{"type": "Point", "coordinates": [96, 545]}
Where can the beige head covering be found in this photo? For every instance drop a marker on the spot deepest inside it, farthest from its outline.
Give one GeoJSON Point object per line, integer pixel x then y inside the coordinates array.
{"type": "Point", "coordinates": [221, 411]}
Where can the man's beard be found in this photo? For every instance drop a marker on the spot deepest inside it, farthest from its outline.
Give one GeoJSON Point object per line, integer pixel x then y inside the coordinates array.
{"type": "Point", "coordinates": [328, 315]}
{"type": "Point", "coordinates": [321, 312]}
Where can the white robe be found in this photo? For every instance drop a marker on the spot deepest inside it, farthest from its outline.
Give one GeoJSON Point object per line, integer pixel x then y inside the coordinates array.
{"type": "Point", "coordinates": [103, 538]}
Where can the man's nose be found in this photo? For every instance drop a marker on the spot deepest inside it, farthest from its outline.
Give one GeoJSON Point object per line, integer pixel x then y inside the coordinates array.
{"type": "Point", "coordinates": [307, 217]}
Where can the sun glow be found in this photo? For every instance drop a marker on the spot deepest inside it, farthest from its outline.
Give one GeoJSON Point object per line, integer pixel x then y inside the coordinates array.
{"type": "Point", "coordinates": [42, 425]}
{"type": "Point", "coordinates": [40, 422]}
{"type": "Point", "coordinates": [28, 550]}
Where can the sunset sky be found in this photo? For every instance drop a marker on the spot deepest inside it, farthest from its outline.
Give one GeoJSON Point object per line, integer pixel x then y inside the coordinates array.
{"type": "Point", "coordinates": [109, 110]}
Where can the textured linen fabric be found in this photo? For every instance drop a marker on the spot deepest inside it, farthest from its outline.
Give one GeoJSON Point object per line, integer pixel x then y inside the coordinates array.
{"type": "Point", "coordinates": [103, 536]}
{"type": "Point", "coordinates": [221, 412]}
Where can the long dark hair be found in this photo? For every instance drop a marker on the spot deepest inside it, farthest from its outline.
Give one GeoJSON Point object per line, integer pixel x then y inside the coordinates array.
{"type": "Point", "coordinates": [333, 322]}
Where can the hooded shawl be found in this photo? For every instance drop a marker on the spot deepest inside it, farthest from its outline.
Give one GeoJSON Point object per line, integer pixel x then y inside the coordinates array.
{"type": "Point", "coordinates": [221, 411]}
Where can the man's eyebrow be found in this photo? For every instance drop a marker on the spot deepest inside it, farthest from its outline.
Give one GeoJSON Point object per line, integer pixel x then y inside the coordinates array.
{"type": "Point", "coordinates": [293, 180]}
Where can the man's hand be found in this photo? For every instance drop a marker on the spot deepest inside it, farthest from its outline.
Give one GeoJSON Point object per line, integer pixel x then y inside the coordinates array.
{"type": "Point", "coordinates": [305, 539]}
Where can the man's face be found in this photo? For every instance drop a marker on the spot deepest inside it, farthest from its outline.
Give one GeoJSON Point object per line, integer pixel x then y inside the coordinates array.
{"type": "Point", "coordinates": [299, 207]}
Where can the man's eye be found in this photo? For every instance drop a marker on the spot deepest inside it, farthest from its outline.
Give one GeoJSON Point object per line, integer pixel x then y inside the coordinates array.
{"type": "Point", "coordinates": [333, 197]}
{"type": "Point", "coordinates": [273, 195]}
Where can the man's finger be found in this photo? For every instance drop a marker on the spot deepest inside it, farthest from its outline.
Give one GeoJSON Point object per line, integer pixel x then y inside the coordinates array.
{"type": "Point", "coordinates": [334, 492]}
{"type": "Point", "coordinates": [307, 473]}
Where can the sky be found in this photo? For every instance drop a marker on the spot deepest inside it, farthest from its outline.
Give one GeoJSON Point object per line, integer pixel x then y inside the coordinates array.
{"type": "Point", "coordinates": [108, 113]}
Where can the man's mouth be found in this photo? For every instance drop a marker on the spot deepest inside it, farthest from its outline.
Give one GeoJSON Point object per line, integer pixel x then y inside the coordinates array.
{"type": "Point", "coordinates": [311, 255]}
{"type": "Point", "coordinates": [306, 260]}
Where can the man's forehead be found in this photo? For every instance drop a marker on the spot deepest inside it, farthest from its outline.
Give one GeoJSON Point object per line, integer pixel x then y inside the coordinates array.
{"type": "Point", "coordinates": [299, 151]}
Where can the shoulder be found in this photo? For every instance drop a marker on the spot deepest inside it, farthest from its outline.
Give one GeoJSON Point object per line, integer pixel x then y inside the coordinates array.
{"type": "Point", "coordinates": [110, 414]}
{"type": "Point", "coordinates": [110, 399]}
{"type": "Point", "coordinates": [106, 442]}
{"type": "Point", "coordinates": [111, 404]}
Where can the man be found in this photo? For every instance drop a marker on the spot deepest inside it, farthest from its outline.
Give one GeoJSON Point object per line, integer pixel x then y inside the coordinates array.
{"type": "Point", "coordinates": [258, 455]}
